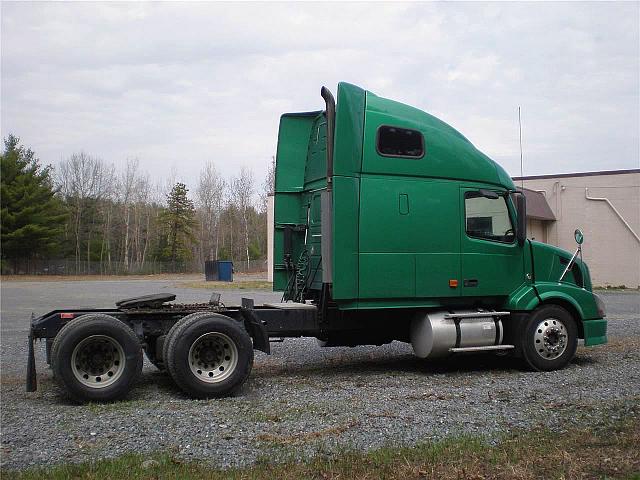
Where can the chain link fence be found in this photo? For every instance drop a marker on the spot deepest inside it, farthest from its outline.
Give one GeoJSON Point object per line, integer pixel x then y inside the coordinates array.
{"type": "Point", "coordinates": [68, 266]}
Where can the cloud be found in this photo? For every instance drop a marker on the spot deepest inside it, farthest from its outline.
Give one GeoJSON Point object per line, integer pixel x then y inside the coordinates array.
{"type": "Point", "coordinates": [180, 84]}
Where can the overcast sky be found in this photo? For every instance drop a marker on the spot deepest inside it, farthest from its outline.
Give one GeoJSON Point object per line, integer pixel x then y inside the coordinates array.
{"type": "Point", "coordinates": [179, 84]}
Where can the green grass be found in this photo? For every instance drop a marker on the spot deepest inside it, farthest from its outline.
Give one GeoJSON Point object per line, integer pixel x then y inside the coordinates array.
{"type": "Point", "coordinates": [239, 285]}
{"type": "Point", "coordinates": [608, 450]}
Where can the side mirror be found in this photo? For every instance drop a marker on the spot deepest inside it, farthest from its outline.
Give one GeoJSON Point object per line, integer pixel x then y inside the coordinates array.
{"type": "Point", "coordinates": [490, 194]}
{"type": "Point", "coordinates": [579, 236]}
{"type": "Point", "coordinates": [521, 207]}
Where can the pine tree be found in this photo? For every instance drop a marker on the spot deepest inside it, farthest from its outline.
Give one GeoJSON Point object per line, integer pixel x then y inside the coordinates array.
{"type": "Point", "coordinates": [179, 221]}
{"type": "Point", "coordinates": [31, 215]}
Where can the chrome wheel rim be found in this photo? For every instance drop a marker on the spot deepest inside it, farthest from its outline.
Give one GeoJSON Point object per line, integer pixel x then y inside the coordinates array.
{"type": "Point", "coordinates": [98, 361]}
{"type": "Point", "coordinates": [213, 357]}
{"type": "Point", "coordinates": [550, 339]}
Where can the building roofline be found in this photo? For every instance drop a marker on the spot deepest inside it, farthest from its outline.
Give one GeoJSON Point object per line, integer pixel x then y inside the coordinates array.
{"type": "Point", "coordinates": [579, 174]}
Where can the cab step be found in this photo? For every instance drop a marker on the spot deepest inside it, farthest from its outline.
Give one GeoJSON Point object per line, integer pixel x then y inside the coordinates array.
{"type": "Point", "coordinates": [481, 349]}
{"type": "Point", "coordinates": [476, 314]}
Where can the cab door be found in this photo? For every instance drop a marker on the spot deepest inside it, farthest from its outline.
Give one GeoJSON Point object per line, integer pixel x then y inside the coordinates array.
{"type": "Point", "coordinates": [492, 260]}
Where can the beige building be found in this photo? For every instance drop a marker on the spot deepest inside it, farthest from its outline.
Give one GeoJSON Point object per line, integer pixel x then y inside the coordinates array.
{"type": "Point", "coordinates": [604, 205]}
{"type": "Point", "coordinates": [270, 228]}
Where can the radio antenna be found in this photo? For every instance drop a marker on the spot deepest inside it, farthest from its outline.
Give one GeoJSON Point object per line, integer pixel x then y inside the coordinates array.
{"type": "Point", "coordinates": [521, 167]}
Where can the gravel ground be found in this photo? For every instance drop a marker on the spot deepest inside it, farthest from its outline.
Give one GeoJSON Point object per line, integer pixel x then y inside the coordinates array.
{"type": "Point", "coordinates": [302, 400]}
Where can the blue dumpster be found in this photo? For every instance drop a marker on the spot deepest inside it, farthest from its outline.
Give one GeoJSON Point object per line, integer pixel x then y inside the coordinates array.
{"type": "Point", "coordinates": [225, 271]}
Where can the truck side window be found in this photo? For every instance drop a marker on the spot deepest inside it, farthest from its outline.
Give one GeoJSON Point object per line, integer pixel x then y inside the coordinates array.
{"type": "Point", "coordinates": [399, 142]}
{"type": "Point", "coordinates": [488, 218]}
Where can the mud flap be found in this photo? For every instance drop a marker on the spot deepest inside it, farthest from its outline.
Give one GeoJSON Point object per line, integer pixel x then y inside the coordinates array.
{"type": "Point", "coordinates": [256, 329]}
{"type": "Point", "coordinates": [32, 382]}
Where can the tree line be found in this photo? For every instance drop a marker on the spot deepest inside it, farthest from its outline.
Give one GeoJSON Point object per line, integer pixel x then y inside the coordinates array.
{"type": "Point", "coordinates": [104, 220]}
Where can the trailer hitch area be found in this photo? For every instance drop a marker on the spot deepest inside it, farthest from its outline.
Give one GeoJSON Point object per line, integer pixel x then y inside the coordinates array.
{"type": "Point", "coordinates": [255, 327]}
{"type": "Point", "coordinates": [32, 381]}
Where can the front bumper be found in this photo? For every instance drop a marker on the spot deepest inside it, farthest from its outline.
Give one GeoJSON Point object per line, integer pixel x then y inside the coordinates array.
{"type": "Point", "coordinates": [595, 331]}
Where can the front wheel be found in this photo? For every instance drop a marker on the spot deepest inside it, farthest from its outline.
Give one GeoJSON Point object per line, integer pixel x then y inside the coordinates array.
{"type": "Point", "coordinates": [96, 358]}
{"type": "Point", "coordinates": [210, 356]}
{"type": "Point", "coordinates": [550, 338]}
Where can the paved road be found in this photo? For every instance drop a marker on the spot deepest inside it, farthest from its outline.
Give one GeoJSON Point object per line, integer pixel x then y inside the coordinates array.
{"type": "Point", "coordinates": [20, 299]}
{"type": "Point", "coordinates": [302, 400]}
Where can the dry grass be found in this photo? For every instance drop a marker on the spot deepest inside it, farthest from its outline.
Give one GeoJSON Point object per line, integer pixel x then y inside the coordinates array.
{"type": "Point", "coordinates": [235, 285]}
{"type": "Point", "coordinates": [621, 344]}
{"type": "Point", "coordinates": [306, 436]}
{"type": "Point", "coordinates": [188, 280]}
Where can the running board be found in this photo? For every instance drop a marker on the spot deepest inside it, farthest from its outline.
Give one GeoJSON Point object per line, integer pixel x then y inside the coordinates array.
{"type": "Point", "coordinates": [481, 349]}
{"type": "Point", "coordinates": [476, 314]}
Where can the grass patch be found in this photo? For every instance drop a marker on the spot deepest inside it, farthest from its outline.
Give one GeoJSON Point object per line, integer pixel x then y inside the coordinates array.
{"type": "Point", "coordinates": [617, 288]}
{"type": "Point", "coordinates": [606, 450]}
{"type": "Point", "coordinates": [238, 285]}
{"type": "Point", "coordinates": [117, 407]}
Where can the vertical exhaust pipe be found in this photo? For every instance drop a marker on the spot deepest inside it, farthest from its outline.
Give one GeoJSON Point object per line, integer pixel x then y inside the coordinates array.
{"type": "Point", "coordinates": [331, 120]}
{"type": "Point", "coordinates": [326, 199]}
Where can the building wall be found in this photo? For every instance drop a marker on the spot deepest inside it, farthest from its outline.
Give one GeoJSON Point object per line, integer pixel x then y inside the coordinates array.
{"type": "Point", "coordinates": [270, 226]}
{"type": "Point", "coordinates": [537, 230]}
{"type": "Point", "coordinates": [610, 248]}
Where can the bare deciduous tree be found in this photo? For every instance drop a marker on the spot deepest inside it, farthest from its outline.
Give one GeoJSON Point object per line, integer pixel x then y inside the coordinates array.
{"type": "Point", "coordinates": [126, 190]}
{"type": "Point", "coordinates": [242, 195]}
{"type": "Point", "coordinates": [115, 217]}
{"type": "Point", "coordinates": [269, 185]}
{"type": "Point", "coordinates": [210, 198]}
{"type": "Point", "coordinates": [81, 178]}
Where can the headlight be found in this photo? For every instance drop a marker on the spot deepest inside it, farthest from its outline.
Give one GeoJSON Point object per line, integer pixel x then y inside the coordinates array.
{"type": "Point", "coordinates": [600, 304]}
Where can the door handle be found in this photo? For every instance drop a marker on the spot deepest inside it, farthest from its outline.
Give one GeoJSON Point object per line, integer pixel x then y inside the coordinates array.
{"type": "Point", "coordinates": [470, 282]}
{"type": "Point", "coordinates": [403, 204]}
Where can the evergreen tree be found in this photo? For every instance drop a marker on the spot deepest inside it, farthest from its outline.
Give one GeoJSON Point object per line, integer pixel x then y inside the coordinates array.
{"type": "Point", "coordinates": [179, 221]}
{"type": "Point", "coordinates": [31, 215]}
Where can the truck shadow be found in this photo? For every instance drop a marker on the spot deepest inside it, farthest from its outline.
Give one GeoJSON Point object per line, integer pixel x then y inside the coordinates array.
{"type": "Point", "coordinates": [340, 366]}
{"type": "Point", "coordinates": [409, 364]}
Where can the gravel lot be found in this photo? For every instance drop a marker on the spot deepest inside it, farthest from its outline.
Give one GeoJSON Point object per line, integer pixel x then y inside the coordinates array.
{"type": "Point", "coordinates": [301, 400]}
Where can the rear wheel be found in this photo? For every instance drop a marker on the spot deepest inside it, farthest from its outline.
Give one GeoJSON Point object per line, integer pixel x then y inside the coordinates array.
{"type": "Point", "coordinates": [175, 330]}
{"type": "Point", "coordinates": [210, 356]}
{"type": "Point", "coordinates": [550, 338]}
{"type": "Point", "coordinates": [95, 357]}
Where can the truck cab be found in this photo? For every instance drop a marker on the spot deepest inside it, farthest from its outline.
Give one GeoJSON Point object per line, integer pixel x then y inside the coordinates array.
{"type": "Point", "coordinates": [397, 228]}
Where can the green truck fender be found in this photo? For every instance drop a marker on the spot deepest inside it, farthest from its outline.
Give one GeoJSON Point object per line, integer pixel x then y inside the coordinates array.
{"type": "Point", "coordinates": [581, 303]}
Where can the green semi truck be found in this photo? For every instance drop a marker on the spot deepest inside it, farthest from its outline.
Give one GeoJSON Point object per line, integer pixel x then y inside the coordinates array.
{"type": "Point", "coordinates": [389, 225]}
{"type": "Point", "coordinates": [397, 228]}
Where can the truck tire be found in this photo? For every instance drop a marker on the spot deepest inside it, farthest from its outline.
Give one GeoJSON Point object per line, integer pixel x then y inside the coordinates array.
{"type": "Point", "coordinates": [96, 358]}
{"type": "Point", "coordinates": [550, 338]}
{"type": "Point", "coordinates": [210, 355]}
{"type": "Point", "coordinates": [175, 329]}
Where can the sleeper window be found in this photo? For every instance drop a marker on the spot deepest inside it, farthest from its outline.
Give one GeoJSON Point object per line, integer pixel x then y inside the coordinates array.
{"type": "Point", "coordinates": [399, 142]}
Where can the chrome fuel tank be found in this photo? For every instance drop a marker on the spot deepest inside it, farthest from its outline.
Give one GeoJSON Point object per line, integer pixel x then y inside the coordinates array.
{"type": "Point", "coordinates": [433, 334]}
